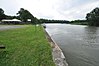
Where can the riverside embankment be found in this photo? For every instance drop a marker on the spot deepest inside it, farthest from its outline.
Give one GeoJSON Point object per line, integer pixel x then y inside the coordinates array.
{"type": "Point", "coordinates": [58, 56]}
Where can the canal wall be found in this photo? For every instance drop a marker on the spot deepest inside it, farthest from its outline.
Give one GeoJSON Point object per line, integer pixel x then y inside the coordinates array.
{"type": "Point", "coordinates": [57, 53]}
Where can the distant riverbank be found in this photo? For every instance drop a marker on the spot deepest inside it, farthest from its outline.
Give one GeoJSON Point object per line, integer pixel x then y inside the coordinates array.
{"type": "Point", "coordinates": [79, 22]}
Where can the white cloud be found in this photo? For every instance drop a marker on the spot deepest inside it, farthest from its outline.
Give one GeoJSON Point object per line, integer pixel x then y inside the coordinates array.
{"type": "Point", "coordinates": [74, 10]}
{"type": "Point", "coordinates": [51, 9]}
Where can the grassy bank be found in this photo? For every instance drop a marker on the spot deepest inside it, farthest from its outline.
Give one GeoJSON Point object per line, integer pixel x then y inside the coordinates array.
{"type": "Point", "coordinates": [25, 47]}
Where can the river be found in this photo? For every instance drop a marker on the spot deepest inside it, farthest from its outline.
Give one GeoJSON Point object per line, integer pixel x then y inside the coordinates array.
{"type": "Point", "coordinates": [79, 43]}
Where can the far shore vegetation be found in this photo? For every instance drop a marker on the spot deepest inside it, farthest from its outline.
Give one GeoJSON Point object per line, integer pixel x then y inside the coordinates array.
{"type": "Point", "coordinates": [79, 22]}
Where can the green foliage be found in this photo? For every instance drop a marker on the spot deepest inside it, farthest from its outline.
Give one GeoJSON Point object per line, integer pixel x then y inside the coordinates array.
{"type": "Point", "coordinates": [93, 17]}
{"type": "Point", "coordinates": [79, 22]}
{"type": "Point", "coordinates": [24, 47]}
{"type": "Point", "coordinates": [2, 15]}
{"type": "Point", "coordinates": [53, 21]}
{"type": "Point", "coordinates": [24, 15]}
{"type": "Point", "coordinates": [10, 17]}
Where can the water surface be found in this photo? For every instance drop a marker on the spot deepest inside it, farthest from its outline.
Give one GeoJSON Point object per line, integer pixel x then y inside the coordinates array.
{"type": "Point", "coordinates": [80, 44]}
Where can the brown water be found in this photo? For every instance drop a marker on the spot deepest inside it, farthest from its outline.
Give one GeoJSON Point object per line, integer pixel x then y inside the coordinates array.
{"type": "Point", "coordinates": [80, 44]}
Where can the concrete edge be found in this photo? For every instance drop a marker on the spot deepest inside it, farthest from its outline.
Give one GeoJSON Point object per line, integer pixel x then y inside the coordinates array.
{"type": "Point", "coordinates": [58, 56]}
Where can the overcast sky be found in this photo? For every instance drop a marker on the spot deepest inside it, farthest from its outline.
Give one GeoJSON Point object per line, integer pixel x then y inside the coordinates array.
{"type": "Point", "coordinates": [51, 9]}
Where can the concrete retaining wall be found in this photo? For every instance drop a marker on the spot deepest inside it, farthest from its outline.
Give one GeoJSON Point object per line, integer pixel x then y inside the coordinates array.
{"type": "Point", "coordinates": [58, 56]}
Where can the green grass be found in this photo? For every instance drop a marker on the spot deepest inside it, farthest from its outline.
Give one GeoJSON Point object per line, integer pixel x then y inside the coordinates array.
{"type": "Point", "coordinates": [25, 47]}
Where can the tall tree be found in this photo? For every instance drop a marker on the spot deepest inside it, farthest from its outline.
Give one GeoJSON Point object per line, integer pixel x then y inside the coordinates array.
{"type": "Point", "coordinates": [2, 15]}
{"type": "Point", "coordinates": [93, 17]}
{"type": "Point", "coordinates": [24, 15]}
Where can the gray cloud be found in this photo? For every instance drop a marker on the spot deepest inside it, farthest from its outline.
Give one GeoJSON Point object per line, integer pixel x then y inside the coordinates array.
{"type": "Point", "coordinates": [77, 9]}
{"type": "Point", "coordinates": [51, 9]}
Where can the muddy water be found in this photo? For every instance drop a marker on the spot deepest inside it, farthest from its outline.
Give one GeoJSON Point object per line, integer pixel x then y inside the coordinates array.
{"type": "Point", "coordinates": [80, 44]}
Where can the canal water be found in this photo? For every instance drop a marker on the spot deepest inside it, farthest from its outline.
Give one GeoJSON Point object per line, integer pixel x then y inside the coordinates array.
{"type": "Point", "coordinates": [80, 44]}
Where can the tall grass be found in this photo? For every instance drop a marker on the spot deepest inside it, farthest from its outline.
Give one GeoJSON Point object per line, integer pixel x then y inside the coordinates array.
{"type": "Point", "coordinates": [25, 47]}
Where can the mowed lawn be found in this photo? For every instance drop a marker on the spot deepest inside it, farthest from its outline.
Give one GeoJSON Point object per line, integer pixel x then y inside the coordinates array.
{"type": "Point", "coordinates": [25, 47]}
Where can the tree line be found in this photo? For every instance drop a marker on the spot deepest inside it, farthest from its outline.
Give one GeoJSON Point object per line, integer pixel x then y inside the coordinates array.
{"type": "Point", "coordinates": [92, 18]}
{"type": "Point", "coordinates": [3, 16]}
{"type": "Point", "coordinates": [53, 21]}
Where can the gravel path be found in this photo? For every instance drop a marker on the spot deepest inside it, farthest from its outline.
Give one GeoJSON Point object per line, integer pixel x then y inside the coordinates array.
{"type": "Point", "coordinates": [6, 27]}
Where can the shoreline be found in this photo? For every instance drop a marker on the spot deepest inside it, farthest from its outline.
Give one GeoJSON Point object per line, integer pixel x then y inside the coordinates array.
{"type": "Point", "coordinates": [57, 54]}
